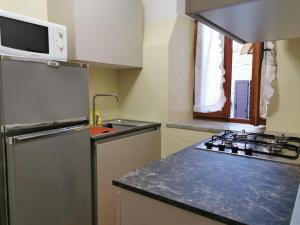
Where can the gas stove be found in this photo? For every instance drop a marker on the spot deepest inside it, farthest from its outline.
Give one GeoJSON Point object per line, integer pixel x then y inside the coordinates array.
{"type": "Point", "coordinates": [265, 146]}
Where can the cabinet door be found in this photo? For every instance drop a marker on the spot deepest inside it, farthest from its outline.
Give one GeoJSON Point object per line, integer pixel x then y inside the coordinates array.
{"type": "Point", "coordinates": [117, 158]}
{"type": "Point", "coordinates": [129, 39]}
{"type": "Point", "coordinates": [136, 209]}
{"type": "Point", "coordinates": [146, 149]}
{"type": "Point", "coordinates": [114, 159]}
{"type": "Point", "coordinates": [108, 32]}
{"type": "Point", "coordinates": [95, 25]}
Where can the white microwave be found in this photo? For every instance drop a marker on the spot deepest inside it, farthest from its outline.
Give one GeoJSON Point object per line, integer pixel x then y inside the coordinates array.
{"type": "Point", "coordinates": [23, 36]}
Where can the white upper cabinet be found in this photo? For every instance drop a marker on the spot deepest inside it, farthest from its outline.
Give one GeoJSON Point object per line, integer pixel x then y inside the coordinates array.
{"type": "Point", "coordinates": [102, 31]}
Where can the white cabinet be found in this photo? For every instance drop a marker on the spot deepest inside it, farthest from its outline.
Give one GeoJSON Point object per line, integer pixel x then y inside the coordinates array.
{"type": "Point", "coordinates": [117, 158]}
{"type": "Point", "coordinates": [129, 33]}
{"type": "Point", "coordinates": [114, 159]}
{"type": "Point", "coordinates": [136, 209]}
{"type": "Point", "coordinates": [101, 31]}
{"type": "Point", "coordinates": [146, 148]}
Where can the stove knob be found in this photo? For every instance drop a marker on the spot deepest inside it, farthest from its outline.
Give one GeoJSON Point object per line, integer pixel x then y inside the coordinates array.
{"type": "Point", "coordinates": [221, 148]}
{"type": "Point", "coordinates": [208, 145]}
{"type": "Point", "coordinates": [235, 150]}
{"type": "Point", "coordinates": [249, 152]}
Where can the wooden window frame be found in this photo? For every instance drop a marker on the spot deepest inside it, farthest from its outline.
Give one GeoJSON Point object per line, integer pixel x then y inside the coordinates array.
{"type": "Point", "coordinates": [224, 114]}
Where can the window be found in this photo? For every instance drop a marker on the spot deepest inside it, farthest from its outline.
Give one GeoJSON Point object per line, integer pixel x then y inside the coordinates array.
{"type": "Point", "coordinates": [227, 84]}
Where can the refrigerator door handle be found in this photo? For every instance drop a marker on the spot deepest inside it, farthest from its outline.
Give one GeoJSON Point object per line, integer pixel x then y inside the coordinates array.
{"type": "Point", "coordinates": [13, 127]}
{"type": "Point", "coordinates": [44, 134]}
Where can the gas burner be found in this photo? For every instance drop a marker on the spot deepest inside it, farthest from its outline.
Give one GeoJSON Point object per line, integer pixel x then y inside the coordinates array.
{"type": "Point", "coordinates": [281, 139]}
{"type": "Point", "coordinates": [228, 142]}
{"type": "Point", "coordinates": [260, 145]}
{"type": "Point", "coordinates": [241, 135]}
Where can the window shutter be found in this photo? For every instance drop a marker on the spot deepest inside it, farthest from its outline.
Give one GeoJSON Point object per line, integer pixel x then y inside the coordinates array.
{"type": "Point", "coordinates": [241, 100]}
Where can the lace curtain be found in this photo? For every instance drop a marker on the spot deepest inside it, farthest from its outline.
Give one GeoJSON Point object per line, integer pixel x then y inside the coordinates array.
{"type": "Point", "coordinates": [268, 75]}
{"type": "Point", "coordinates": [209, 70]}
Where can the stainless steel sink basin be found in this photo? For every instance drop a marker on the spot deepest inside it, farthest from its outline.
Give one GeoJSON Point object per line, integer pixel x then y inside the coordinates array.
{"type": "Point", "coordinates": [117, 126]}
{"type": "Point", "coordinates": [120, 124]}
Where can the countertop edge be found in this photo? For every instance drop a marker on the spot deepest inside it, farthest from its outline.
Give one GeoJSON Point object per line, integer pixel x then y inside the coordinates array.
{"type": "Point", "coordinates": [177, 204]}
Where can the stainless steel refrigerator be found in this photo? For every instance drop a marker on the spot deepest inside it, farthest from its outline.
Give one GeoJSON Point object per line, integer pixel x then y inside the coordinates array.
{"type": "Point", "coordinates": [45, 158]}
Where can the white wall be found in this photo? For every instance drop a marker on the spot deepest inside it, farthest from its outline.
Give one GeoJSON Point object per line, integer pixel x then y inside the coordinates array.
{"type": "Point", "coordinates": [159, 10]}
{"type": "Point", "coordinates": [33, 8]}
{"type": "Point", "coordinates": [162, 90]}
{"type": "Point", "coordinates": [180, 80]}
{"type": "Point", "coordinates": [103, 80]}
{"type": "Point", "coordinates": [284, 110]}
{"type": "Point", "coordinates": [178, 139]}
{"type": "Point", "coordinates": [144, 92]}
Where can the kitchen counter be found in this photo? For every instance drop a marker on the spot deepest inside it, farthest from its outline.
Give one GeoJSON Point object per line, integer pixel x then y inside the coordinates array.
{"type": "Point", "coordinates": [227, 188]}
{"type": "Point", "coordinates": [134, 127]}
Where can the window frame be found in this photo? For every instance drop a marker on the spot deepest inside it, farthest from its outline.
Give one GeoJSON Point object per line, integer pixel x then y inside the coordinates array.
{"type": "Point", "coordinates": [224, 114]}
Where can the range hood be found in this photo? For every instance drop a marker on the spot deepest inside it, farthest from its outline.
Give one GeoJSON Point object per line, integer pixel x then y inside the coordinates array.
{"type": "Point", "coordinates": [249, 20]}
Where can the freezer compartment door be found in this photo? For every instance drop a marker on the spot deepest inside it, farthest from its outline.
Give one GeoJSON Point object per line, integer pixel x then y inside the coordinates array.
{"type": "Point", "coordinates": [49, 179]}
{"type": "Point", "coordinates": [33, 92]}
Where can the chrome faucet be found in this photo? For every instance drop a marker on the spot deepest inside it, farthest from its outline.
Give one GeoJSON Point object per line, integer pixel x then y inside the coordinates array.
{"type": "Point", "coordinates": [95, 119]}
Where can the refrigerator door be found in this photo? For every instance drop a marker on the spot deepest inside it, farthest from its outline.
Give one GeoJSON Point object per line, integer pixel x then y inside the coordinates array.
{"type": "Point", "coordinates": [34, 92]}
{"type": "Point", "coordinates": [49, 178]}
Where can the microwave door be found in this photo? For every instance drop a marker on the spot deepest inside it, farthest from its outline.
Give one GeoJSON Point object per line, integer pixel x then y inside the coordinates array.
{"type": "Point", "coordinates": [17, 35]}
{"type": "Point", "coordinates": [49, 177]}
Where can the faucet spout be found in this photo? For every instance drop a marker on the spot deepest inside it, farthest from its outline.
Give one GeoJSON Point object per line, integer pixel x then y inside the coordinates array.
{"type": "Point", "coordinates": [94, 104]}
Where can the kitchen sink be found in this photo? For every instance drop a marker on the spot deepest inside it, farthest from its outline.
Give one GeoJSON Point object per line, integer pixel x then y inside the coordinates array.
{"type": "Point", "coordinates": [131, 123]}
{"type": "Point", "coordinates": [116, 126]}
{"type": "Point", "coordinates": [123, 124]}
{"type": "Point", "coordinates": [113, 126]}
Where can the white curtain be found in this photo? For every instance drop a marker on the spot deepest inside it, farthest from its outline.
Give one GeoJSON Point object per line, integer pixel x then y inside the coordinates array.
{"type": "Point", "coordinates": [268, 75]}
{"type": "Point", "coordinates": [209, 71]}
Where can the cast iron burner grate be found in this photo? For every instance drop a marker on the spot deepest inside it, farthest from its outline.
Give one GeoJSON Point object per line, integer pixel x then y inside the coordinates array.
{"type": "Point", "coordinates": [254, 144]}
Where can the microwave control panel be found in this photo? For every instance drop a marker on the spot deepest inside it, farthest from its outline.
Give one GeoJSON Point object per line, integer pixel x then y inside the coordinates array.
{"type": "Point", "coordinates": [60, 42]}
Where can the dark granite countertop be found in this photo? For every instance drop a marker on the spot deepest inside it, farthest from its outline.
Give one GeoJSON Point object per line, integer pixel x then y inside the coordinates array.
{"type": "Point", "coordinates": [227, 188]}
